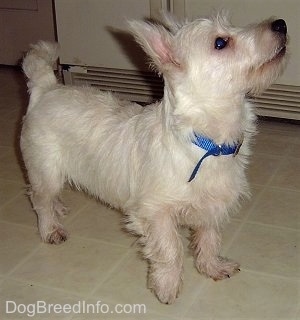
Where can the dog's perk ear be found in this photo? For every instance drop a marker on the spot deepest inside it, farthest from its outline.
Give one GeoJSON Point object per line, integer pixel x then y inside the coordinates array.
{"type": "Point", "coordinates": [170, 21]}
{"type": "Point", "coordinates": [157, 43]}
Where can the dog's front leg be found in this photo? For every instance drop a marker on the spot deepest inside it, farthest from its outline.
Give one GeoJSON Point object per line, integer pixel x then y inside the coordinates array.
{"type": "Point", "coordinates": [206, 244]}
{"type": "Point", "coordinates": [163, 248]}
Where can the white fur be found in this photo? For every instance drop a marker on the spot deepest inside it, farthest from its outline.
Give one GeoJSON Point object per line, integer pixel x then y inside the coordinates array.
{"type": "Point", "coordinates": [139, 159]}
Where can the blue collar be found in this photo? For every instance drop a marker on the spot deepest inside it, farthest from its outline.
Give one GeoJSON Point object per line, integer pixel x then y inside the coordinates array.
{"type": "Point", "coordinates": [213, 149]}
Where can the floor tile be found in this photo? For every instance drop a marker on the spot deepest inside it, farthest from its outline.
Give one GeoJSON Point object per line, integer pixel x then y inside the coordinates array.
{"type": "Point", "coordinates": [111, 310]}
{"type": "Point", "coordinates": [128, 284]}
{"type": "Point", "coordinates": [268, 249]}
{"type": "Point", "coordinates": [278, 128]}
{"type": "Point", "coordinates": [289, 174]}
{"type": "Point", "coordinates": [248, 296]}
{"type": "Point", "coordinates": [279, 207]}
{"type": "Point", "coordinates": [294, 148]}
{"type": "Point", "coordinates": [100, 222]}
{"type": "Point", "coordinates": [76, 265]}
{"type": "Point", "coordinates": [9, 190]}
{"type": "Point", "coordinates": [262, 168]}
{"type": "Point", "coordinates": [229, 232]}
{"type": "Point", "coordinates": [8, 128]}
{"type": "Point", "coordinates": [10, 167]}
{"type": "Point", "coordinates": [75, 201]}
{"type": "Point", "coordinates": [19, 211]}
{"type": "Point", "coordinates": [16, 242]}
{"type": "Point", "coordinates": [4, 150]}
{"type": "Point", "coordinates": [247, 204]}
{"type": "Point", "coordinates": [20, 300]}
{"type": "Point", "coordinates": [99, 261]}
{"type": "Point", "coordinates": [272, 144]}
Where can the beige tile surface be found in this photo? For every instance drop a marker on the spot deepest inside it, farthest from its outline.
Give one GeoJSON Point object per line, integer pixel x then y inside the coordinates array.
{"type": "Point", "coordinates": [9, 190]}
{"type": "Point", "coordinates": [76, 265]}
{"type": "Point", "coordinates": [19, 300]}
{"type": "Point", "coordinates": [278, 207]}
{"type": "Point", "coordinates": [16, 243]}
{"type": "Point", "coordinates": [262, 168]}
{"type": "Point", "coordinates": [246, 296]}
{"type": "Point", "coordinates": [19, 211]}
{"type": "Point", "coordinates": [99, 261]}
{"type": "Point", "coordinates": [268, 249]}
{"type": "Point", "coordinates": [128, 284]}
{"type": "Point", "coordinates": [289, 174]}
{"type": "Point", "coordinates": [11, 166]}
{"type": "Point", "coordinates": [100, 222]}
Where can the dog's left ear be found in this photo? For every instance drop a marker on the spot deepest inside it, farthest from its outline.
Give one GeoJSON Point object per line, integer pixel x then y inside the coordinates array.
{"type": "Point", "coordinates": [157, 42]}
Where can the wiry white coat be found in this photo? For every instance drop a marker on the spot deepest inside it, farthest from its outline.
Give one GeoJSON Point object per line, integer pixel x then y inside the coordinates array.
{"type": "Point", "coordinates": [139, 159]}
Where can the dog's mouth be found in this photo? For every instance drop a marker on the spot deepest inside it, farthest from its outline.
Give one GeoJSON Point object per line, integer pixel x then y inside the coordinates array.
{"type": "Point", "coordinates": [279, 53]}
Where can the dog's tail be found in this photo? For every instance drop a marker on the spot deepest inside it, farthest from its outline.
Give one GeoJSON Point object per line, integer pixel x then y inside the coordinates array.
{"type": "Point", "coordinates": [38, 67]}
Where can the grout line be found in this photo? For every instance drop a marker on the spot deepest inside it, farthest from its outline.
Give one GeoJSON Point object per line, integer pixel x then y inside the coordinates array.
{"type": "Point", "coordinates": [283, 189]}
{"type": "Point", "coordinates": [226, 248]}
{"type": "Point", "coordinates": [44, 286]}
{"type": "Point", "coordinates": [254, 272]}
{"type": "Point", "coordinates": [10, 200]}
{"type": "Point", "coordinates": [33, 228]}
{"type": "Point", "coordinates": [24, 260]}
{"type": "Point", "coordinates": [243, 221]}
{"type": "Point", "coordinates": [101, 241]}
{"type": "Point", "coordinates": [197, 293]}
{"type": "Point", "coordinates": [108, 274]}
{"type": "Point", "coordinates": [72, 214]}
{"type": "Point", "coordinates": [278, 169]}
{"type": "Point", "coordinates": [272, 226]}
{"type": "Point", "coordinates": [272, 275]}
{"type": "Point", "coordinates": [280, 164]}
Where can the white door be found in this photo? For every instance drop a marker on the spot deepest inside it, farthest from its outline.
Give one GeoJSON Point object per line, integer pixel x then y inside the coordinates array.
{"type": "Point", "coordinates": [90, 31]}
{"type": "Point", "coordinates": [96, 48]}
{"type": "Point", "coordinates": [23, 22]}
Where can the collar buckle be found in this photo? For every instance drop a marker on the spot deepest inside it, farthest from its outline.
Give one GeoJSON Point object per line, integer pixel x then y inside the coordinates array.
{"type": "Point", "coordinates": [214, 149]}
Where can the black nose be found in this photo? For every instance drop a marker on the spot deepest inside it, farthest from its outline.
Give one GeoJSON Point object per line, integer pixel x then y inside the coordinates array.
{"type": "Point", "coordinates": [279, 26]}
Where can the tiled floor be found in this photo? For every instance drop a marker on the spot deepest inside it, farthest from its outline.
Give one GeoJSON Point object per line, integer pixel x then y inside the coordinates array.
{"type": "Point", "coordinates": [99, 261]}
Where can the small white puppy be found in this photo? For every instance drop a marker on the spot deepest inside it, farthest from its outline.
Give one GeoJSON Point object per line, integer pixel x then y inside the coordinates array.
{"type": "Point", "coordinates": [177, 162]}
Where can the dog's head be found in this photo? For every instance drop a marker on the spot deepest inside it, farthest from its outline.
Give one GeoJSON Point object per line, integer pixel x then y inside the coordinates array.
{"type": "Point", "coordinates": [210, 57]}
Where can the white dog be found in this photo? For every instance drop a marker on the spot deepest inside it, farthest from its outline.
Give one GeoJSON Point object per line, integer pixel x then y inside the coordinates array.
{"type": "Point", "coordinates": [177, 162]}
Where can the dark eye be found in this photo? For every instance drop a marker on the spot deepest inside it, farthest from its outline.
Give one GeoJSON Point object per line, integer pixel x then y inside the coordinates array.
{"type": "Point", "coordinates": [220, 43]}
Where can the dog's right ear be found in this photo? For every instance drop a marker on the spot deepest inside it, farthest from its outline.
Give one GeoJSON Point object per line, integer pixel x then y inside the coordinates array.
{"type": "Point", "coordinates": [171, 21]}
{"type": "Point", "coordinates": [157, 42]}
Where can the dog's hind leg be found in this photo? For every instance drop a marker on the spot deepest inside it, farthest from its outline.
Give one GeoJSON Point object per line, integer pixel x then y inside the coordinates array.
{"type": "Point", "coordinates": [44, 195]}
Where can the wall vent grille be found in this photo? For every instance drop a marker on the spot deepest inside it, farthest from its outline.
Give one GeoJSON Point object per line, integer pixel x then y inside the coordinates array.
{"type": "Point", "coordinates": [280, 101]}
{"type": "Point", "coordinates": [128, 84]}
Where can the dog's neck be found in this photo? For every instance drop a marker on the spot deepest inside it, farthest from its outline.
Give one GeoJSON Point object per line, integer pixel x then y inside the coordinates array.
{"type": "Point", "coordinates": [224, 122]}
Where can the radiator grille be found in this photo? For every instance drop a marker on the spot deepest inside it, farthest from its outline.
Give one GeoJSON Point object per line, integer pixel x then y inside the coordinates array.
{"type": "Point", "coordinates": [280, 101]}
{"type": "Point", "coordinates": [128, 84]}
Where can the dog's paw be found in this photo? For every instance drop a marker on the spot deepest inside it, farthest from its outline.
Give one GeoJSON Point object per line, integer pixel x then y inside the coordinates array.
{"type": "Point", "coordinates": [166, 287]}
{"type": "Point", "coordinates": [222, 268]}
{"type": "Point", "coordinates": [58, 236]}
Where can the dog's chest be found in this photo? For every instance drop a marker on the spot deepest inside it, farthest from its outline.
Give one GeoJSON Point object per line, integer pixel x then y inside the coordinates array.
{"type": "Point", "coordinates": [214, 193]}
